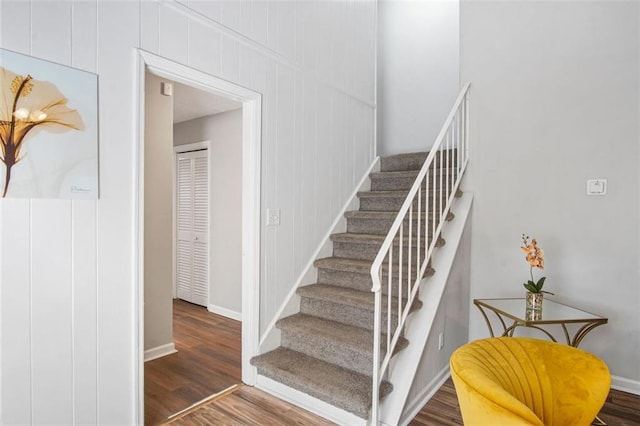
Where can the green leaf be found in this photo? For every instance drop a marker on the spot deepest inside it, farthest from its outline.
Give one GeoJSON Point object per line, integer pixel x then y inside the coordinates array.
{"type": "Point", "coordinates": [530, 286]}
{"type": "Point", "coordinates": [540, 283]}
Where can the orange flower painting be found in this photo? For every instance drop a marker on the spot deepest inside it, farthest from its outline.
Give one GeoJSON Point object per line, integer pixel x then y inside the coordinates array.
{"type": "Point", "coordinates": [30, 108]}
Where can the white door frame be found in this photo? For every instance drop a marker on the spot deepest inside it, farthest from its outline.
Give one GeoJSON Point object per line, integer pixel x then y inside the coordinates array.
{"type": "Point", "coordinates": [251, 172]}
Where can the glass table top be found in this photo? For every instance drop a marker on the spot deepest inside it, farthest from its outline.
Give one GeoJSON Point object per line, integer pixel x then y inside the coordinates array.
{"type": "Point", "coordinates": [552, 311]}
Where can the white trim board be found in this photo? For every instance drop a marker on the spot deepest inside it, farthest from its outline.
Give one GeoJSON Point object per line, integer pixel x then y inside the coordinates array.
{"type": "Point", "coordinates": [309, 403]}
{"type": "Point", "coordinates": [159, 351]}
{"type": "Point", "coordinates": [625, 385]}
{"type": "Point", "coordinates": [227, 313]}
{"type": "Point", "coordinates": [251, 181]}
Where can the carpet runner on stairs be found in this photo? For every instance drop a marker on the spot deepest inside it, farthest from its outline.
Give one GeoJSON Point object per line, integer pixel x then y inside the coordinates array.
{"type": "Point", "coordinates": [326, 348]}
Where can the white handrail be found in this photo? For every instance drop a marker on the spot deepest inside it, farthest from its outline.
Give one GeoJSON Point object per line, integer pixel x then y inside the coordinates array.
{"type": "Point", "coordinates": [451, 153]}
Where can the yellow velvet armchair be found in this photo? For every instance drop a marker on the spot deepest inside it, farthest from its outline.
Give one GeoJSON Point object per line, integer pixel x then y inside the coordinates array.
{"type": "Point", "coordinates": [523, 381]}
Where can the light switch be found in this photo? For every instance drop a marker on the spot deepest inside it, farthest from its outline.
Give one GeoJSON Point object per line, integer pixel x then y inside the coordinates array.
{"type": "Point", "coordinates": [596, 187]}
{"type": "Point", "coordinates": [273, 217]}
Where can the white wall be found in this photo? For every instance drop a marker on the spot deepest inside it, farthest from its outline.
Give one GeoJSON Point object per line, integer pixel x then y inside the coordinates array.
{"type": "Point", "coordinates": [418, 71]}
{"type": "Point", "coordinates": [158, 216]}
{"type": "Point", "coordinates": [224, 131]}
{"type": "Point", "coordinates": [554, 103]}
{"type": "Point", "coordinates": [68, 272]}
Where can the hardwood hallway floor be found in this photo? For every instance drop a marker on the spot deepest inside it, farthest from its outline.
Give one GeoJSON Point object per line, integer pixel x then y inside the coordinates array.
{"type": "Point", "coordinates": [207, 362]}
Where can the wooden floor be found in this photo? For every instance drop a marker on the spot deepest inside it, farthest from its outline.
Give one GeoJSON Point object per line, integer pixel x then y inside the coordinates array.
{"type": "Point", "coordinates": [174, 384]}
{"type": "Point", "coordinates": [207, 362]}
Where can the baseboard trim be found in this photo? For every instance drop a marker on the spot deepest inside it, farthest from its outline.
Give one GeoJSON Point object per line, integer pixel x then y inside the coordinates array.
{"type": "Point", "coordinates": [415, 406]}
{"type": "Point", "coordinates": [309, 403]}
{"type": "Point", "coordinates": [159, 351]}
{"type": "Point", "coordinates": [227, 313]}
{"type": "Point", "coordinates": [625, 385]}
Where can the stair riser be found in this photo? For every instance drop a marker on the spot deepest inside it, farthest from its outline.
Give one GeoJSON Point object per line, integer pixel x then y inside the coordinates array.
{"type": "Point", "coordinates": [355, 281]}
{"type": "Point", "coordinates": [397, 183]}
{"type": "Point", "coordinates": [349, 315]}
{"type": "Point", "coordinates": [393, 204]}
{"type": "Point", "coordinates": [368, 251]}
{"type": "Point", "coordinates": [327, 350]}
{"type": "Point", "coordinates": [379, 226]}
{"type": "Point", "coordinates": [412, 162]}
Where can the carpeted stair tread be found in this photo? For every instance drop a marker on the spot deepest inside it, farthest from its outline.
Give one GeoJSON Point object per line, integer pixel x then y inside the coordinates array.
{"type": "Point", "coordinates": [341, 344]}
{"type": "Point", "coordinates": [373, 214]}
{"type": "Point", "coordinates": [348, 305]}
{"type": "Point", "coordinates": [412, 161]}
{"type": "Point", "coordinates": [386, 194]}
{"type": "Point", "coordinates": [381, 215]}
{"type": "Point", "coordinates": [373, 239]}
{"type": "Point", "coordinates": [337, 386]}
{"type": "Point", "coordinates": [349, 297]}
{"type": "Point", "coordinates": [347, 265]}
{"type": "Point", "coordinates": [407, 161]}
{"type": "Point", "coordinates": [342, 264]}
{"type": "Point", "coordinates": [392, 201]}
{"type": "Point", "coordinates": [404, 173]}
{"type": "Point", "coordinates": [357, 338]}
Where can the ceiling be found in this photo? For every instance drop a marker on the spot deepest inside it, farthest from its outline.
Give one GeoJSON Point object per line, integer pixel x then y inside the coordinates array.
{"type": "Point", "coordinates": [190, 103]}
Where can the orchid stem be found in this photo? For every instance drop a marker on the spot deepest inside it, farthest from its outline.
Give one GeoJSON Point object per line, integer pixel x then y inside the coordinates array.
{"type": "Point", "coordinates": [6, 181]}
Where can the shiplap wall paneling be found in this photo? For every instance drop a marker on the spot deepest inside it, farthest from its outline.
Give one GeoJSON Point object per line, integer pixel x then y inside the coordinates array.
{"type": "Point", "coordinates": [264, 81]}
{"type": "Point", "coordinates": [15, 323]}
{"type": "Point", "coordinates": [204, 48]}
{"type": "Point", "coordinates": [173, 35]}
{"type": "Point", "coordinates": [149, 26]}
{"type": "Point", "coordinates": [323, 176]}
{"type": "Point", "coordinates": [308, 188]}
{"type": "Point", "coordinates": [51, 319]}
{"type": "Point", "coordinates": [298, 119]}
{"type": "Point", "coordinates": [284, 178]}
{"type": "Point", "coordinates": [84, 244]}
{"type": "Point", "coordinates": [84, 286]}
{"type": "Point", "coordinates": [118, 34]}
{"type": "Point", "coordinates": [285, 28]}
{"type": "Point", "coordinates": [15, 278]}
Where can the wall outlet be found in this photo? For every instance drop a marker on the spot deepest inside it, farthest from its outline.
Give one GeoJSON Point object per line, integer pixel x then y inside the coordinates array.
{"type": "Point", "coordinates": [440, 341]}
{"type": "Point", "coordinates": [273, 217]}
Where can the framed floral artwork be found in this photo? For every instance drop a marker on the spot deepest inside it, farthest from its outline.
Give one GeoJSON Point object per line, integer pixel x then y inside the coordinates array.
{"type": "Point", "coordinates": [48, 129]}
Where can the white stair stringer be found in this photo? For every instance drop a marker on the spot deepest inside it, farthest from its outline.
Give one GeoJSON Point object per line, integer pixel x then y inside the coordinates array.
{"type": "Point", "coordinates": [405, 364]}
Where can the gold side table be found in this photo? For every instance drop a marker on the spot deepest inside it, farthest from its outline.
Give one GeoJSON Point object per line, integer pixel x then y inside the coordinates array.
{"type": "Point", "coordinates": [552, 312]}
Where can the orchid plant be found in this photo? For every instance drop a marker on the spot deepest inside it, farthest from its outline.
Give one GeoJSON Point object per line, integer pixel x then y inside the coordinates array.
{"type": "Point", "coordinates": [26, 107]}
{"type": "Point", "coordinates": [535, 258]}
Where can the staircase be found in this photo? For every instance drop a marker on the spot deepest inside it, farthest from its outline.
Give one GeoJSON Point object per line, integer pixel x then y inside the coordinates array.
{"type": "Point", "coordinates": [327, 347]}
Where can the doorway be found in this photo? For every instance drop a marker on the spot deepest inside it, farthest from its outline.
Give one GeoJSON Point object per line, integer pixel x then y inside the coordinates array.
{"type": "Point", "coordinates": [250, 194]}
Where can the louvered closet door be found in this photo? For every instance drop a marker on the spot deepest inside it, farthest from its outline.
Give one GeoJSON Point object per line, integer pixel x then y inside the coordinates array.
{"type": "Point", "coordinates": [192, 225]}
